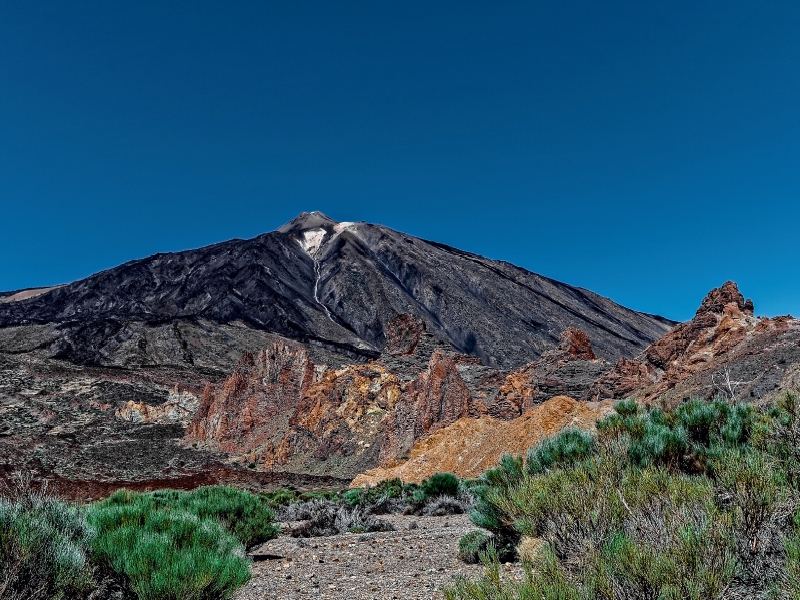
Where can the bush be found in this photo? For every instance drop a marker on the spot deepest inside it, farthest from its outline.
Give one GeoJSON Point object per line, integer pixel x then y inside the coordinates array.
{"type": "Point", "coordinates": [389, 495]}
{"type": "Point", "coordinates": [324, 518]}
{"type": "Point", "coordinates": [700, 502]}
{"type": "Point", "coordinates": [247, 516]}
{"type": "Point", "coordinates": [44, 547]}
{"type": "Point", "coordinates": [278, 498]}
{"type": "Point", "coordinates": [388, 488]}
{"type": "Point", "coordinates": [792, 549]}
{"type": "Point", "coordinates": [683, 439]}
{"type": "Point", "coordinates": [441, 484]}
{"type": "Point", "coordinates": [394, 496]}
{"type": "Point", "coordinates": [492, 488]}
{"type": "Point", "coordinates": [472, 545]}
{"type": "Point", "coordinates": [570, 445]}
{"type": "Point", "coordinates": [490, 493]}
{"type": "Point", "coordinates": [168, 554]}
{"type": "Point", "coordinates": [443, 505]}
{"type": "Point", "coordinates": [782, 437]}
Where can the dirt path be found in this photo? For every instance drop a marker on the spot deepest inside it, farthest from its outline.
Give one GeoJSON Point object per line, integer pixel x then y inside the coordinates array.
{"type": "Point", "coordinates": [412, 563]}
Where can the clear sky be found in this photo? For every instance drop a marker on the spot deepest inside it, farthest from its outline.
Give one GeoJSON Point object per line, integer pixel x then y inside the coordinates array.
{"type": "Point", "coordinates": [645, 150]}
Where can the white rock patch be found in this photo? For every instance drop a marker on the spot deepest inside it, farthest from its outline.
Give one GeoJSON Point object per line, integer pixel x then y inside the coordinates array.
{"type": "Point", "coordinates": [340, 227]}
{"type": "Point", "coordinates": [312, 240]}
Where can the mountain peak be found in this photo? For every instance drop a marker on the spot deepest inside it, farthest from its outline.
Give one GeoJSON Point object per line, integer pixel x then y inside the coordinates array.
{"type": "Point", "coordinates": [304, 221]}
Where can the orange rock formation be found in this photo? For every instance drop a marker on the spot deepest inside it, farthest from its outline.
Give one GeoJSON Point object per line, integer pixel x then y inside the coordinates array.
{"type": "Point", "coordinates": [470, 446]}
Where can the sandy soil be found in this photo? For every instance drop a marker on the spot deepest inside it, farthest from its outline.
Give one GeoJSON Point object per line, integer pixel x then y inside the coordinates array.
{"type": "Point", "coordinates": [412, 563]}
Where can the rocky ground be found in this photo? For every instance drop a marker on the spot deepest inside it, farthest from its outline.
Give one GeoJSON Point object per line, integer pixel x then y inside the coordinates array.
{"type": "Point", "coordinates": [414, 562]}
{"type": "Point", "coordinates": [61, 422]}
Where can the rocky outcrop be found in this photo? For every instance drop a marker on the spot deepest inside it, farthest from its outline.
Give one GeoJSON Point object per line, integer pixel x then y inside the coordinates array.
{"type": "Point", "coordinates": [180, 407]}
{"type": "Point", "coordinates": [278, 411]}
{"type": "Point", "coordinates": [403, 334]}
{"type": "Point", "coordinates": [724, 350]}
{"type": "Point", "coordinates": [568, 370]}
{"type": "Point", "coordinates": [251, 409]}
{"type": "Point", "coordinates": [339, 424]}
{"type": "Point", "coordinates": [471, 445]}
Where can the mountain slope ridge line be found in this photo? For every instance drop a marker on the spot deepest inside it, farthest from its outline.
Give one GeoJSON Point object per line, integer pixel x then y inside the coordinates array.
{"type": "Point", "coordinates": [337, 283]}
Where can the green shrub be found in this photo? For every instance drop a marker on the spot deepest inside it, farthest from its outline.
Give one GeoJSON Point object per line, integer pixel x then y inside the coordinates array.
{"type": "Point", "coordinates": [490, 511]}
{"type": "Point", "coordinates": [781, 436]}
{"type": "Point", "coordinates": [682, 439]}
{"type": "Point", "coordinates": [386, 489]}
{"type": "Point", "coordinates": [44, 549]}
{"type": "Point", "coordinates": [245, 515]}
{"type": "Point", "coordinates": [472, 545]}
{"type": "Point", "coordinates": [440, 484]}
{"type": "Point", "coordinates": [354, 497]}
{"type": "Point", "coordinates": [692, 503]}
{"type": "Point", "coordinates": [168, 553]}
{"type": "Point", "coordinates": [568, 446]}
{"type": "Point", "coordinates": [175, 544]}
{"type": "Point", "coordinates": [659, 444]}
{"type": "Point", "coordinates": [545, 581]}
{"type": "Point", "coordinates": [792, 549]}
{"type": "Point", "coordinates": [276, 499]}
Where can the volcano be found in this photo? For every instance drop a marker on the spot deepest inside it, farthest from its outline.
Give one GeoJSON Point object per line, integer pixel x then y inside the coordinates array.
{"type": "Point", "coordinates": [332, 285]}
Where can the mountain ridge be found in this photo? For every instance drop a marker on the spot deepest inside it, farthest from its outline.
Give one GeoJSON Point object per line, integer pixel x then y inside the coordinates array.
{"type": "Point", "coordinates": [336, 285]}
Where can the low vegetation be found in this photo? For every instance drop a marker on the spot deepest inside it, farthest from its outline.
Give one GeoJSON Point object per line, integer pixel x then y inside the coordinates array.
{"type": "Point", "coordinates": [700, 502]}
{"type": "Point", "coordinates": [165, 545]}
{"type": "Point", "coordinates": [355, 510]}
{"type": "Point", "coordinates": [172, 544]}
{"type": "Point", "coordinates": [323, 517]}
{"type": "Point", "coordinates": [244, 515]}
{"type": "Point", "coordinates": [177, 545]}
{"type": "Point", "coordinates": [44, 546]}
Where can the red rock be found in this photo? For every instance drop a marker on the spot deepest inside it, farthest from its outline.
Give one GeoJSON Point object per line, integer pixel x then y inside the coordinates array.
{"type": "Point", "coordinates": [278, 411]}
{"type": "Point", "coordinates": [440, 396]}
{"type": "Point", "coordinates": [691, 359]}
{"type": "Point", "coordinates": [575, 343]}
{"type": "Point", "coordinates": [541, 380]}
{"type": "Point", "coordinates": [246, 411]}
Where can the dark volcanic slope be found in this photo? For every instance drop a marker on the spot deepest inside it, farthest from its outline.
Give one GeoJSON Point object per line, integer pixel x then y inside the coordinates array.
{"type": "Point", "coordinates": [334, 285]}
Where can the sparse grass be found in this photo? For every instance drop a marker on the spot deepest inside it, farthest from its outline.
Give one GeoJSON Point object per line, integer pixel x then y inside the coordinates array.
{"type": "Point", "coordinates": [323, 518]}
{"type": "Point", "coordinates": [285, 496]}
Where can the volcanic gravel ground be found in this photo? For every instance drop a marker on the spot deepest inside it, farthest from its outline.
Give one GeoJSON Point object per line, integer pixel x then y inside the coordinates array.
{"type": "Point", "coordinates": [412, 563]}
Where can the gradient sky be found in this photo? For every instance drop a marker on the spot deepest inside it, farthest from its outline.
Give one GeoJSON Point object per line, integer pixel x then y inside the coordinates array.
{"type": "Point", "coordinates": [645, 150]}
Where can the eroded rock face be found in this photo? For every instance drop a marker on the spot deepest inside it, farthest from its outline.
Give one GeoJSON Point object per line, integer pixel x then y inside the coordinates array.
{"type": "Point", "coordinates": [403, 335]}
{"type": "Point", "coordinates": [281, 412]}
{"type": "Point", "coordinates": [338, 425]}
{"type": "Point", "coordinates": [723, 343]}
{"type": "Point", "coordinates": [250, 410]}
{"type": "Point", "coordinates": [471, 445]}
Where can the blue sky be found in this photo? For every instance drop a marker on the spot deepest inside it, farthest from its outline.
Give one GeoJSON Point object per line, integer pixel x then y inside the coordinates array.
{"type": "Point", "coordinates": [645, 150]}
